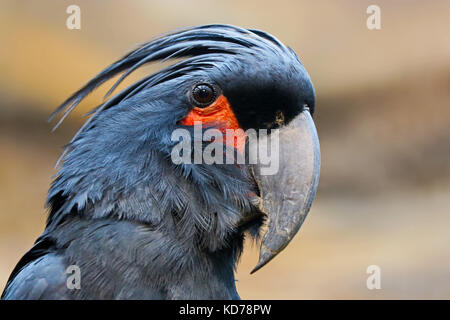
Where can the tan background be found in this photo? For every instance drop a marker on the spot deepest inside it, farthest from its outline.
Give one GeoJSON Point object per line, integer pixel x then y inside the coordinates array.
{"type": "Point", "coordinates": [383, 118]}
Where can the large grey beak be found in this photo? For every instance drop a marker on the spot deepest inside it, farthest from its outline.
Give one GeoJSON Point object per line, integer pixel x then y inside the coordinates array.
{"type": "Point", "coordinates": [287, 195]}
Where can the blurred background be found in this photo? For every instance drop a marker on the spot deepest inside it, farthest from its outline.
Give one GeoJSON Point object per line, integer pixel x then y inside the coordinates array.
{"type": "Point", "coordinates": [383, 117]}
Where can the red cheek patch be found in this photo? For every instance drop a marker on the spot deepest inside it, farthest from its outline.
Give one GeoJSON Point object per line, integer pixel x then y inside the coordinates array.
{"type": "Point", "coordinates": [220, 116]}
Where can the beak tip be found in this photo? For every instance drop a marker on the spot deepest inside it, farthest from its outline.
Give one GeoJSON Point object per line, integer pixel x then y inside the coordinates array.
{"type": "Point", "coordinates": [264, 257]}
{"type": "Point", "coordinates": [257, 267]}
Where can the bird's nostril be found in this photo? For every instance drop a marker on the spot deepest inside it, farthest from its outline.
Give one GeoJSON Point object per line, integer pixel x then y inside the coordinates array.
{"type": "Point", "coordinates": [279, 118]}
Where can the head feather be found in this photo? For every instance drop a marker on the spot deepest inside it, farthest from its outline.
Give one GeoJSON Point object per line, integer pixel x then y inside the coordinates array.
{"type": "Point", "coordinates": [202, 46]}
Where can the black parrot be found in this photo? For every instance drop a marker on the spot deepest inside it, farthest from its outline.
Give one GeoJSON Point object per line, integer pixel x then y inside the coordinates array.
{"type": "Point", "coordinates": [138, 225]}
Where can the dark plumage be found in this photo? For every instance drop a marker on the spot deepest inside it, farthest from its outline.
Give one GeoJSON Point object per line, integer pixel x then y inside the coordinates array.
{"type": "Point", "coordinates": [137, 225]}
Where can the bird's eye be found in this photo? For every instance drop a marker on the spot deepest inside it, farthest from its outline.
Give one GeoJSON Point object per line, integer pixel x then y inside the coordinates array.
{"type": "Point", "coordinates": [203, 94]}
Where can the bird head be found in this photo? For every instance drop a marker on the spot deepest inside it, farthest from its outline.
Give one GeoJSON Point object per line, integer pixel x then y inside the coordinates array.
{"type": "Point", "coordinates": [229, 79]}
